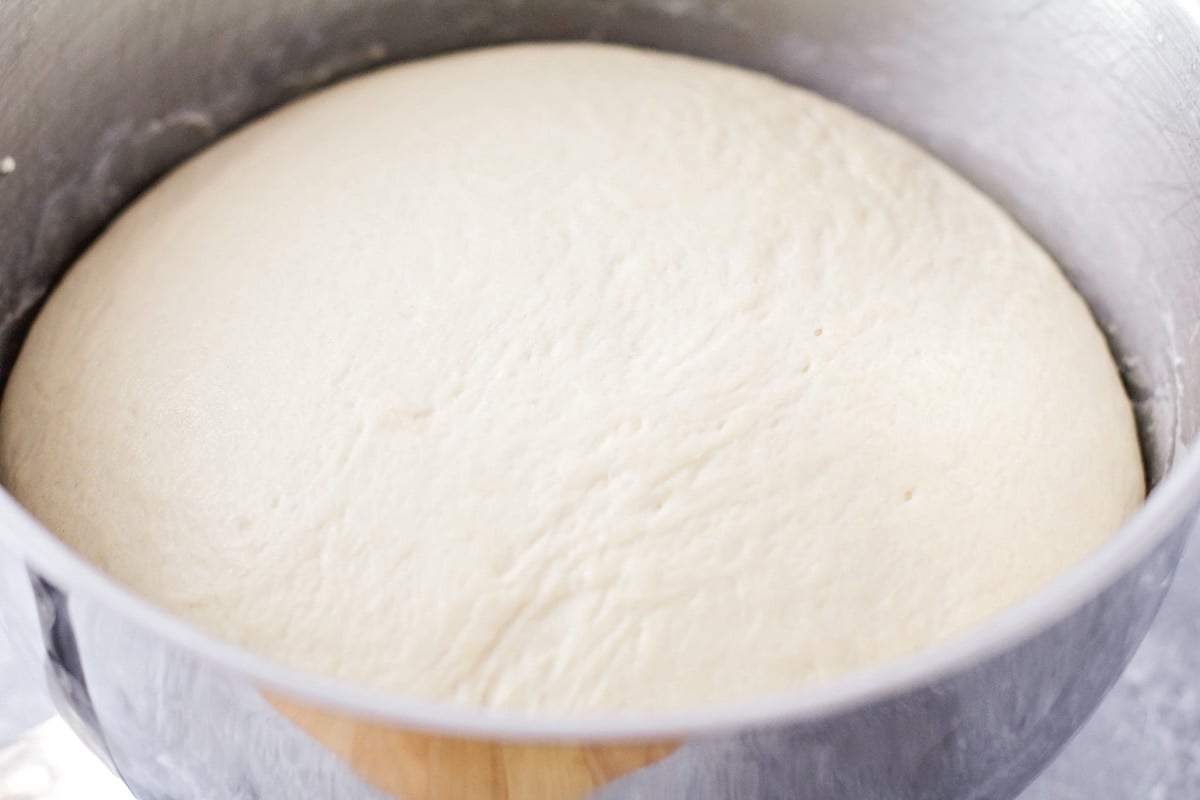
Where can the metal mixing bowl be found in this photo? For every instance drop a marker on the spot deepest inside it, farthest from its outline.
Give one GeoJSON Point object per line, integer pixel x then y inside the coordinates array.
{"type": "Point", "coordinates": [1081, 118]}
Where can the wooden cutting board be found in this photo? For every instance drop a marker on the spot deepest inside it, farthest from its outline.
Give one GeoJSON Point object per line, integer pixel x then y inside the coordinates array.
{"type": "Point", "coordinates": [417, 766]}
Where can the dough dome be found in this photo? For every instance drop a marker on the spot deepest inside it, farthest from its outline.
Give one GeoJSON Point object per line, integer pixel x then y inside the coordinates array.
{"type": "Point", "coordinates": [572, 378]}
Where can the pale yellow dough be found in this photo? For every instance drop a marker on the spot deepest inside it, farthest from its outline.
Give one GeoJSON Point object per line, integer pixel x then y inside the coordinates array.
{"type": "Point", "coordinates": [571, 378]}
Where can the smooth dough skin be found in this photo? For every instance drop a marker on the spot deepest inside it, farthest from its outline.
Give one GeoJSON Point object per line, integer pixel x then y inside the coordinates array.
{"type": "Point", "coordinates": [571, 378]}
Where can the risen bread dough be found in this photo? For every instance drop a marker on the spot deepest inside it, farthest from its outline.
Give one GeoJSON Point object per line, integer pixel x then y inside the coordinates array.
{"type": "Point", "coordinates": [571, 377]}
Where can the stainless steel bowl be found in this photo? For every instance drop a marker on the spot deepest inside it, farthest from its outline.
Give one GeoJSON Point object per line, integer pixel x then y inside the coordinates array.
{"type": "Point", "coordinates": [1082, 118]}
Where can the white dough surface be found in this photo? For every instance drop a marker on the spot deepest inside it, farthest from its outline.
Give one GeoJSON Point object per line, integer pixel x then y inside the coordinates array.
{"type": "Point", "coordinates": [572, 378]}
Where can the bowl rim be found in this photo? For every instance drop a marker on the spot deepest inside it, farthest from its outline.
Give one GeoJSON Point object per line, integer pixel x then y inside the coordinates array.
{"type": "Point", "coordinates": [1170, 505]}
{"type": "Point", "coordinates": [1165, 509]}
